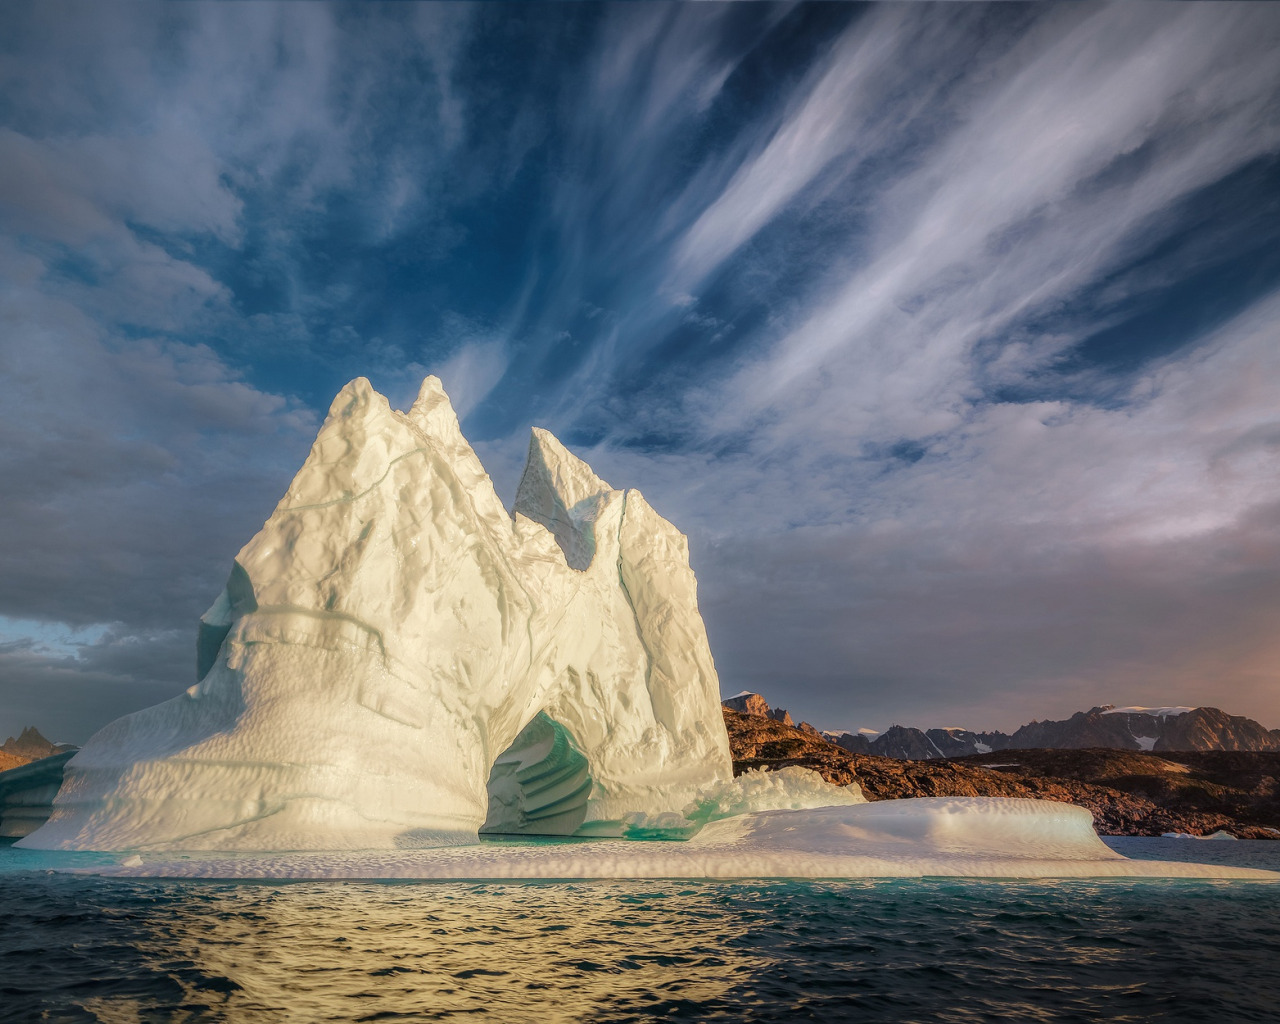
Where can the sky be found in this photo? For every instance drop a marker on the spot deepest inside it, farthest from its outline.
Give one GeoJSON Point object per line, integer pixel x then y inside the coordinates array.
{"type": "Point", "coordinates": [949, 334]}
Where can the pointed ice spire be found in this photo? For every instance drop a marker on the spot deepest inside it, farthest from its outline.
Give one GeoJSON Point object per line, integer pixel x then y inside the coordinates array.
{"type": "Point", "coordinates": [358, 420]}
{"type": "Point", "coordinates": [357, 400]}
{"type": "Point", "coordinates": [556, 490]}
{"type": "Point", "coordinates": [433, 414]}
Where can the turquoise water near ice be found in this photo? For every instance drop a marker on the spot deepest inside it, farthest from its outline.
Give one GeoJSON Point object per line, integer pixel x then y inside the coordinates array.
{"type": "Point", "coordinates": [82, 948]}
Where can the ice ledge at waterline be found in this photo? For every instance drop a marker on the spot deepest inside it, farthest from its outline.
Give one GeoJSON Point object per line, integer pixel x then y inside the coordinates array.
{"type": "Point", "coordinates": [396, 660]}
{"type": "Point", "coordinates": [936, 836]}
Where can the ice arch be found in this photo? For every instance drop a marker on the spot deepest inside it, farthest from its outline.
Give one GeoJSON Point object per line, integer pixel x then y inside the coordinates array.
{"type": "Point", "coordinates": [390, 632]}
{"type": "Point", "coordinates": [540, 785]}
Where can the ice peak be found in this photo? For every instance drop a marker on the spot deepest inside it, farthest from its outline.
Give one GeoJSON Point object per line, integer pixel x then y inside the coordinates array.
{"type": "Point", "coordinates": [430, 394]}
{"type": "Point", "coordinates": [555, 490]}
{"type": "Point", "coordinates": [357, 398]}
{"type": "Point", "coordinates": [569, 476]}
{"type": "Point", "coordinates": [432, 412]}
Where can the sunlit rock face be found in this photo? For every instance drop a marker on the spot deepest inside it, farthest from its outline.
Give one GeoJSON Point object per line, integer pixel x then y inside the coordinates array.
{"type": "Point", "coordinates": [398, 661]}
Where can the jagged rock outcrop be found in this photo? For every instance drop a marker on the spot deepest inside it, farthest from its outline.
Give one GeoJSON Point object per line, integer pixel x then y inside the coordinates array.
{"type": "Point", "coordinates": [396, 660]}
{"type": "Point", "coordinates": [749, 703]}
{"type": "Point", "coordinates": [30, 746]}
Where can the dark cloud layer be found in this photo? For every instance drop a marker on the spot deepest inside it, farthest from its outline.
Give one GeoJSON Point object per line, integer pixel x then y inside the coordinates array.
{"type": "Point", "coordinates": [946, 331]}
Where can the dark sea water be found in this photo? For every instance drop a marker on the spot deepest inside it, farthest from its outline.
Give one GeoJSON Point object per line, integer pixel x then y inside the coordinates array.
{"type": "Point", "coordinates": [83, 948]}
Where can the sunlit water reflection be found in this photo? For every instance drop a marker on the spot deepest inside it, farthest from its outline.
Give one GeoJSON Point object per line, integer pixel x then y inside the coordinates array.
{"type": "Point", "coordinates": [91, 949]}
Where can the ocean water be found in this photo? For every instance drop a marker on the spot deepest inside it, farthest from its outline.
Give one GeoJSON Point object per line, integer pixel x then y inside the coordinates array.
{"type": "Point", "coordinates": [84, 948]}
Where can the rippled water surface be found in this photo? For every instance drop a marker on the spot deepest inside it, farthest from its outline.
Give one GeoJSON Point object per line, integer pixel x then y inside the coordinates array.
{"type": "Point", "coordinates": [80, 948]}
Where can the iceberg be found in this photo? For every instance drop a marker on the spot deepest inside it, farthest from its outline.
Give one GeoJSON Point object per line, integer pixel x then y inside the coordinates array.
{"type": "Point", "coordinates": [398, 661]}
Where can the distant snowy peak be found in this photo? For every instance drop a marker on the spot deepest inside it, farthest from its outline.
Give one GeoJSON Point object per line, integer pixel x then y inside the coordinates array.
{"type": "Point", "coordinates": [1153, 712]}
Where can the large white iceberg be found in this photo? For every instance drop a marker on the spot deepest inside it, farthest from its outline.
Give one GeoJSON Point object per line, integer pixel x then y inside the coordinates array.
{"type": "Point", "coordinates": [397, 661]}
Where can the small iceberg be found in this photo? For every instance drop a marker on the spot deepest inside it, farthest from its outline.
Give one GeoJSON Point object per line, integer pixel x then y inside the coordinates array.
{"type": "Point", "coordinates": [1187, 835]}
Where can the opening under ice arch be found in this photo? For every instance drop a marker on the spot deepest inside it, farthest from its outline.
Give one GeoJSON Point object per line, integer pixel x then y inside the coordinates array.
{"type": "Point", "coordinates": [540, 784]}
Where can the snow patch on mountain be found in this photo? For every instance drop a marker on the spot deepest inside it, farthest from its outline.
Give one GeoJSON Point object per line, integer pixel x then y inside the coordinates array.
{"type": "Point", "coordinates": [1154, 712]}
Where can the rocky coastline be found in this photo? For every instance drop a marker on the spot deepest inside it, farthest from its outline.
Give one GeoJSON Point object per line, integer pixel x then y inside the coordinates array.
{"type": "Point", "coordinates": [1130, 793]}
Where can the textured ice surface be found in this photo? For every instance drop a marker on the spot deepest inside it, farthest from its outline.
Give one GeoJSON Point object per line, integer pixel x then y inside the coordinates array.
{"type": "Point", "coordinates": [393, 643]}
{"type": "Point", "coordinates": [975, 837]}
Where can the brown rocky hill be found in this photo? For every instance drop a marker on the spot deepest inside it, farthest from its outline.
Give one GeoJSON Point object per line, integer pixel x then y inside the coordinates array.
{"type": "Point", "coordinates": [1129, 793]}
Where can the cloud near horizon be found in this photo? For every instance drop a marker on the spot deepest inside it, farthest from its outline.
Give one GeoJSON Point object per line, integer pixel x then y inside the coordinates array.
{"type": "Point", "coordinates": [947, 332]}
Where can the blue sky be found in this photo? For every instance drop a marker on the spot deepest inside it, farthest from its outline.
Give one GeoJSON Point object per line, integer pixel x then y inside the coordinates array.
{"type": "Point", "coordinates": [949, 333]}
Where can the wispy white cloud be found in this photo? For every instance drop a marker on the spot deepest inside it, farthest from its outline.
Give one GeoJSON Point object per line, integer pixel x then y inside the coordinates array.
{"type": "Point", "coordinates": [775, 262]}
{"type": "Point", "coordinates": [1052, 557]}
{"type": "Point", "coordinates": [834, 116]}
{"type": "Point", "coordinates": [1007, 215]}
{"type": "Point", "coordinates": [1058, 551]}
{"type": "Point", "coordinates": [471, 372]}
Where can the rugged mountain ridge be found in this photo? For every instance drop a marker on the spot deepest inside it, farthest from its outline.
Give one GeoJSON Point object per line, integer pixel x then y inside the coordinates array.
{"type": "Point", "coordinates": [31, 745]}
{"type": "Point", "coordinates": [1202, 728]}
